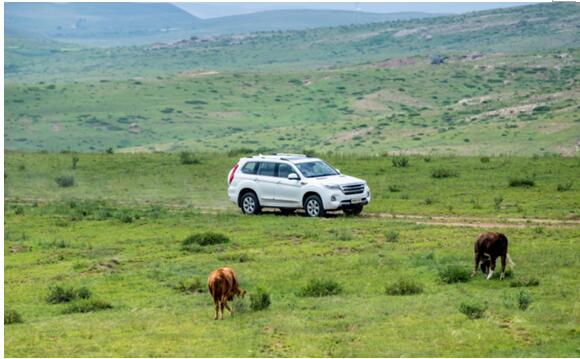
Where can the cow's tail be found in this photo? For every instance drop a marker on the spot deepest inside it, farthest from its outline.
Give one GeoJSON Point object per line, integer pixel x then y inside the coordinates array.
{"type": "Point", "coordinates": [510, 262]}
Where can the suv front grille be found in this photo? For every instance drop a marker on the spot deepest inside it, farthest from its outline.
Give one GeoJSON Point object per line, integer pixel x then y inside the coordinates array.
{"type": "Point", "coordinates": [353, 188]}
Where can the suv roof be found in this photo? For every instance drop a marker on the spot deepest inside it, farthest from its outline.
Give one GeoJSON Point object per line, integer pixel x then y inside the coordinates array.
{"type": "Point", "coordinates": [291, 157]}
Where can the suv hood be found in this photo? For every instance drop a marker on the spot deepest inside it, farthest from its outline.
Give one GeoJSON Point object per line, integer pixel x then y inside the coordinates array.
{"type": "Point", "coordinates": [334, 180]}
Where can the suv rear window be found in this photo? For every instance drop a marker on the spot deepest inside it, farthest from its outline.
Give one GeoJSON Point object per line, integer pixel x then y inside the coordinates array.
{"type": "Point", "coordinates": [250, 168]}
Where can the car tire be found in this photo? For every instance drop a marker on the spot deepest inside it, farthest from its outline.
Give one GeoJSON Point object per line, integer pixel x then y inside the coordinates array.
{"type": "Point", "coordinates": [313, 206]}
{"type": "Point", "coordinates": [287, 211]}
{"type": "Point", "coordinates": [352, 210]}
{"type": "Point", "coordinates": [249, 203]}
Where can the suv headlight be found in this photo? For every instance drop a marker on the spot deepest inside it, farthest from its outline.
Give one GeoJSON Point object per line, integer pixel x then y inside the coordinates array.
{"type": "Point", "coordinates": [333, 187]}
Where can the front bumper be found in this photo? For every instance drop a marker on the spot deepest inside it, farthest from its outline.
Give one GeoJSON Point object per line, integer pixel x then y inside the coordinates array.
{"type": "Point", "coordinates": [336, 200]}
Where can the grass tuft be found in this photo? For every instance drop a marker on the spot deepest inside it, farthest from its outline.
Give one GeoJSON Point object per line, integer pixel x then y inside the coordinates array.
{"type": "Point", "coordinates": [12, 317]}
{"type": "Point", "coordinates": [525, 282]}
{"type": "Point", "coordinates": [58, 294]}
{"type": "Point", "coordinates": [65, 181]}
{"type": "Point", "coordinates": [522, 182]}
{"type": "Point", "coordinates": [473, 310]}
{"type": "Point", "coordinates": [260, 300]}
{"type": "Point", "coordinates": [321, 288]}
{"type": "Point", "coordinates": [87, 305]}
{"type": "Point", "coordinates": [404, 287]}
{"type": "Point", "coordinates": [454, 274]}
{"type": "Point", "coordinates": [443, 173]}
{"type": "Point", "coordinates": [192, 242]}
{"type": "Point", "coordinates": [524, 300]}
{"type": "Point", "coordinates": [400, 161]}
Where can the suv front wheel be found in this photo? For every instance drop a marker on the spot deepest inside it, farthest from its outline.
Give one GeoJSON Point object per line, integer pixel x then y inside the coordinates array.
{"type": "Point", "coordinates": [313, 206]}
{"type": "Point", "coordinates": [249, 203]}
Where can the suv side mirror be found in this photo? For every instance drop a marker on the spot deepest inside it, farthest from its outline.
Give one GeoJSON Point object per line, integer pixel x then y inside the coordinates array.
{"type": "Point", "coordinates": [293, 176]}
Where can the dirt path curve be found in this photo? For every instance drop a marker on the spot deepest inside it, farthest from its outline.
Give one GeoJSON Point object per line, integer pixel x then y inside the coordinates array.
{"type": "Point", "coordinates": [430, 220]}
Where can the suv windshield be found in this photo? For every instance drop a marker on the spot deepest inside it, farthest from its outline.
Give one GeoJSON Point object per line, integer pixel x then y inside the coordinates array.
{"type": "Point", "coordinates": [316, 169]}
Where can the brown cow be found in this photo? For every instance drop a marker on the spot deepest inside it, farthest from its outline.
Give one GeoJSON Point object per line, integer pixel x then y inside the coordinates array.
{"type": "Point", "coordinates": [223, 285]}
{"type": "Point", "coordinates": [489, 246]}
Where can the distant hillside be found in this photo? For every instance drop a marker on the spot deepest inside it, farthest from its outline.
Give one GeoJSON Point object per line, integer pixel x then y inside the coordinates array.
{"type": "Point", "coordinates": [100, 23]}
{"type": "Point", "coordinates": [116, 24]}
{"type": "Point", "coordinates": [518, 30]}
{"type": "Point", "coordinates": [297, 20]}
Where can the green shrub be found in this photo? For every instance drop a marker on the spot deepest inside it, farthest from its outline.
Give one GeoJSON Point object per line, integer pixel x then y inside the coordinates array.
{"type": "Point", "coordinates": [58, 294]}
{"type": "Point", "coordinates": [188, 158]}
{"type": "Point", "coordinates": [497, 201]}
{"type": "Point", "coordinates": [524, 300]}
{"type": "Point", "coordinates": [404, 287]}
{"type": "Point", "coordinates": [189, 286]}
{"type": "Point", "coordinates": [473, 310]}
{"type": "Point", "coordinates": [521, 182]}
{"type": "Point", "coordinates": [19, 210]}
{"type": "Point", "coordinates": [194, 241]}
{"type": "Point", "coordinates": [65, 181]}
{"type": "Point", "coordinates": [392, 236]}
{"type": "Point", "coordinates": [259, 300]}
{"type": "Point", "coordinates": [12, 317]}
{"type": "Point", "coordinates": [564, 187]}
{"type": "Point", "coordinates": [454, 274]}
{"type": "Point", "coordinates": [484, 159]}
{"type": "Point", "coordinates": [87, 305]}
{"type": "Point", "coordinates": [525, 282]}
{"type": "Point", "coordinates": [342, 234]}
{"type": "Point", "coordinates": [443, 173]}
{"type": "Point", "coordinates": [394, 188]}
{"type": "Point", "coordinates": [321, 288]}
{"type": "Point", "coordinates": [400, 161]}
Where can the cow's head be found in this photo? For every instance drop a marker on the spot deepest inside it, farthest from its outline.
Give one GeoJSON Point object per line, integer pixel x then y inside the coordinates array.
{"type": "Point", "coordinates": [241, 292]}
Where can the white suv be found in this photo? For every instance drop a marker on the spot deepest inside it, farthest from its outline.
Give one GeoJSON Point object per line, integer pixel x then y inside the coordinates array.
{"type": "Point", "coordinates": [289, 182]}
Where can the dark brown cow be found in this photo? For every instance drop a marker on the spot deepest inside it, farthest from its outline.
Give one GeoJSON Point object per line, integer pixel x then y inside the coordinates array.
{"type": "Point", "coordinates": [489, 246]}
{"type": "Point", "coordinates": [223, 285]}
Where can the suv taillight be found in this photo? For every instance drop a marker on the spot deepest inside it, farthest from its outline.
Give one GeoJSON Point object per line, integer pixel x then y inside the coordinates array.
{"type": "Point", "coordinates": [232, 173]}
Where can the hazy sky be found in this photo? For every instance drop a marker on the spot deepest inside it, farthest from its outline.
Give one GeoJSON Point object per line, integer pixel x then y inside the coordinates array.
{"type": "Point", "coordinates": [209, 10]}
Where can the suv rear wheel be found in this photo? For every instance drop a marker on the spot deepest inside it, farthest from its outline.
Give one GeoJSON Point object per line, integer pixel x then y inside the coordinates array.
{"type": "Point", "coordinates": [353, 210]}
{"type": "Point", "coordinates": [313, 206]}
{"type": "Point", "coordinates": [249, 203]}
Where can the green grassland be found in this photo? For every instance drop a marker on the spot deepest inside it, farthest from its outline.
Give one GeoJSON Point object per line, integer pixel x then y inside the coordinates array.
{"type": "Point", "coordinates": [474, 188]}
{"type": "Point", "coordinates": [136, 265]}
{"type": "Point", "coordinates": [497, 104]}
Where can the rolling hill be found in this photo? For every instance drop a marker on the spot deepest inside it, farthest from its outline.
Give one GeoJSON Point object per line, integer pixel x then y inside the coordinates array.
{"type": "Point", "coordinates": [508, 84]}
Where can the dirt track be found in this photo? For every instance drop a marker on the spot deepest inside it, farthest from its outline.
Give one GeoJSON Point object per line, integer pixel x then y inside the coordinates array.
{"type": "Point", "coordinates": [430, 220]}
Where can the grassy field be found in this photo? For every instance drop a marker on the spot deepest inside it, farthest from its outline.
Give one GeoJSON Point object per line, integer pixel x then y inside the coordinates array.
{"type": "Point", "coordinates": [496, 104]}
{"type": "Point", "coordinates": [475, 186]}
{"type": "Point", "coordinates": [137, 266]}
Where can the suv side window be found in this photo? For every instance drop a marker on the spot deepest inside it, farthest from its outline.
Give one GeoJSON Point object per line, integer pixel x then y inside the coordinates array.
{"type": "Point", "coordinates": [284, 170]}
{"type": "Point", "coordinates": [251, 168]}
{"type": "Point", "coordinates": [267, 169]}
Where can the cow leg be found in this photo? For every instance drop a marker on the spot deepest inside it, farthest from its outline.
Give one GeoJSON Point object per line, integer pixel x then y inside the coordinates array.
{"type": "Point", "coordinates": [217, 308]}
{"type": "Point", "coordinates": [222, 310]}
{"type": "Point", "coordinates": [503, 259]}
{"type": "Point", "coordinates": [492, 267]}
{"type": "Point", "coordinates": [477, 258]}
{"type": "Point", "coordinates": [228, 308]}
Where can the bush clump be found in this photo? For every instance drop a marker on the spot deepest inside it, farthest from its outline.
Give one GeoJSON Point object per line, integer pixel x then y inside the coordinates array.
{"type": "Point", "coordinates": [203, 239]}
{"type": "Point", "coordinates": [400, 161]}
{"type": "Point", "coordinates": [321, 288]}
{"type": "Point", "coordinates": [443, 173]}
{"type": "Point", "coordinates": [473, 310]}
{"type": "Point", "coordinates": [58, 294]}
{"type": "Point", "coordinates": [522, 182]}
{"type": "Point", "coordinates": [525, 282]}
{"type": "Point", "coordinates": [12, 317]}
{"type": "Point", "coordinates": [189, 158]}
{"type": "Point", "coordinates": [87, 305]}
{"type": "Point", "coordinates": [65, 181]}
{"type": "Point", "coordinates": [260, 300]}
{"type": "Point", "coordinates": [564, 187]}
{"type": "Point", "coordinates": [484, 159]}
{"type": "Point", "coordinates": [404, 287]}
{"type": "Point", "coordinates": [189, 286]}
{"type": "Point", "coordinates": [342, 234]}
{"type": "Point", "coordinates": [392, 236]}
{"type": "Point", "coordinates": [524, 300]}
{"type": "Point", "coordinates": [454, 274]}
